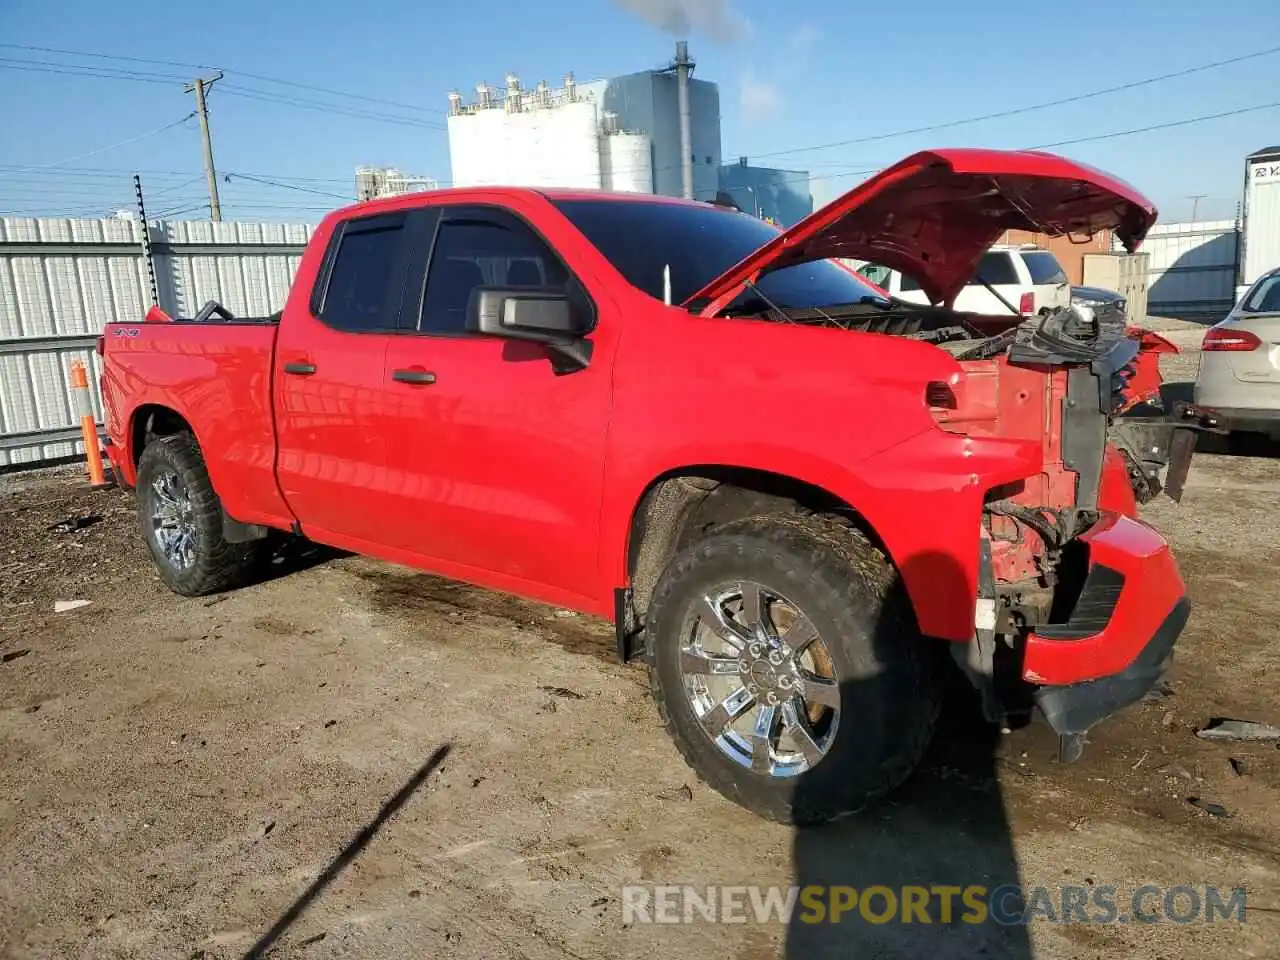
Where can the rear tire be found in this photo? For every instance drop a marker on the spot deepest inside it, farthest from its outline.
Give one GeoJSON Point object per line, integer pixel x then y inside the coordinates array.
{"type": "Point", "coordinates": [180, 519]}
{"type": "Point", "coordinates": [883, 692]}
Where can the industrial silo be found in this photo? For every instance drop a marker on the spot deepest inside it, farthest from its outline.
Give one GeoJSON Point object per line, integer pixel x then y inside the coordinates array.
{"type": "Point", "coordinates": [627, 162]}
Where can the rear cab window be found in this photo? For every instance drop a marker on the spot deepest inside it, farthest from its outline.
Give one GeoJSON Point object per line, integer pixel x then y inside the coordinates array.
{"type": "Point", "coordinates": [360, 285]}
{"type": "Point", "coordinates": [1043, 267]}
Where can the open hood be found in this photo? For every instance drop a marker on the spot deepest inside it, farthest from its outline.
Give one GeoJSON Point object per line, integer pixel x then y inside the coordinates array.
{"type": "Point", "coordinates": [933, 215]}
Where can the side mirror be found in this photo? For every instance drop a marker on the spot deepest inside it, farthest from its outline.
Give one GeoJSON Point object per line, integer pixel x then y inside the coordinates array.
{"type": "Point", "coordinates": [538, 314]}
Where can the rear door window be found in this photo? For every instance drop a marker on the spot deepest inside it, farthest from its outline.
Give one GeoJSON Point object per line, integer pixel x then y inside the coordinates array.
{"type": "Point", "coordinates": [361, 291]}
{"type": "Point", "coordinates": [1043, 267]}
{"type": "Point", "coordinates": [996, 269]}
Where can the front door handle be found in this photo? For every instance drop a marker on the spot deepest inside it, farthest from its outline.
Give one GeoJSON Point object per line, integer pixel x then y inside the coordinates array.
{"type": "Point", "coordinates": [300, 369]}
{"type": "Point", "coordinates": [414, 375]}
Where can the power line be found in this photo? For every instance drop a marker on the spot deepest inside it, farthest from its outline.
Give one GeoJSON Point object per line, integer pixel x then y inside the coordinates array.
{"type": "Point", "coordinates": [197, 66]}
{"type": "Point", "coordinates": [108, 172]}
{"type": "Point", "coordinates": [88, 72]}
{"type": "Point", "coordinates": [112, 146]}
{"type": "Point", "coordinates": [176, 186]}
{"type": "Point", "coordinates": [268, 97]}
{"type": "Point", "coordinates": [282, 182]}
{"type": "Point", "coordinates": [1187, 121]}
{"type": "Point", "coordinates": [231, 175]}
{"type": "Point", "coordinates": [1001, 114]}
{"type": "Point", "coordinates": [190, 206]}
{"type": "Point", "coordinates": [1159, 126]}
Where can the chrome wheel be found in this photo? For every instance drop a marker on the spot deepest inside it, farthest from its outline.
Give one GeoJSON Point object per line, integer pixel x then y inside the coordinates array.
{"type": "Point", "coordinates": [173, 519]}
{"type": "Point", "coordinates": [759, 679]}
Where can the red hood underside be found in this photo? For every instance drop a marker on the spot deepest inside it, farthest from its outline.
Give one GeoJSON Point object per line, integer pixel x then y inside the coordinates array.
{"type": "Point", "coordinates": [933, 215]}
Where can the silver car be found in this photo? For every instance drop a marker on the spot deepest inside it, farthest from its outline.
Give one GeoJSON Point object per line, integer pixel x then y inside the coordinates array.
{"type": "Point", "coordinates": [1240, 363]}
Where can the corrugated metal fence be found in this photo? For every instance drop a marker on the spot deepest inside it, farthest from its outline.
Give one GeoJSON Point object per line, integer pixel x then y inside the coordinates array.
{"type": "Point", "coordinates": [62, 280]}
{"type": "Point", "coordinates": [1191, 273]}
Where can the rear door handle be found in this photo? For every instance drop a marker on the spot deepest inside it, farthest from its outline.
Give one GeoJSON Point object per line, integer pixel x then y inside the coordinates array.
{"type": "Point", "coordinates": [300, 369]}
{"type": "Point", "coordinates": [414, 375]}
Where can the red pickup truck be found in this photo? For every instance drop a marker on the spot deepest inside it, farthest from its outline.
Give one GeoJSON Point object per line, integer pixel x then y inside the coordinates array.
{"type": "Point", "coordinates": [786, 489]}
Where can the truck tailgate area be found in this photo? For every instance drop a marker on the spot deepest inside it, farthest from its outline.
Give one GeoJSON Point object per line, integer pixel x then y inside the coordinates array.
{"type": "Point", "coordinates": [188, 368]}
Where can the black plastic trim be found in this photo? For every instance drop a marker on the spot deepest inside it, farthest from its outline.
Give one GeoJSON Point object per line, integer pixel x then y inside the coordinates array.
{"type": "Point", "coordinates": [628, 633]}
{"type": "Point", "coordinates": [233, 531]}
{"type": "Point", "coordinates": [1084, 434]}
{"type": "Point", "coordinates": [1093, 609]}
{"type": "Point", "coordinates": [1074, 708]}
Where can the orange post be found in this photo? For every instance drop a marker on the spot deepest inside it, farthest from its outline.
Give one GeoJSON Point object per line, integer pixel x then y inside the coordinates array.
{"type": "Point", "coordinates": [88, 428]}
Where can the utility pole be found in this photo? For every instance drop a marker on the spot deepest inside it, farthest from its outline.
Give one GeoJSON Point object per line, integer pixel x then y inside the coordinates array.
{"type": "Point", "coordinates": [201, 87]}
{"type": "Point", "coordinates": [1195, 199]}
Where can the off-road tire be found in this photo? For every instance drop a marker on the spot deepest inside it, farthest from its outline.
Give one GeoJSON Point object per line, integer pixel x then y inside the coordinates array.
{"type": "Point", "coordinates": [851, 594]}
{"type": "Point", "coordinates": [217, 565]}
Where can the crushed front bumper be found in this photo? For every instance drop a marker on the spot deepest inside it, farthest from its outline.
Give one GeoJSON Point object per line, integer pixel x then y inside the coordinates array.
{"type": "Point", "coordinates": [1120, 635]}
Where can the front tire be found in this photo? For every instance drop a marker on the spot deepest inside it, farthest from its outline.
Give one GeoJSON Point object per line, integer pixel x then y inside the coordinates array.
{"type": "Point", "coordinates": [180, 518]}
{"type": "Point", "coordinates": [788, 668]}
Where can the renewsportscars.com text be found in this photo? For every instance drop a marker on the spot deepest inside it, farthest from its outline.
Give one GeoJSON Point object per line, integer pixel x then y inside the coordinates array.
{"type": "Point", "coordinates": [974, 904]}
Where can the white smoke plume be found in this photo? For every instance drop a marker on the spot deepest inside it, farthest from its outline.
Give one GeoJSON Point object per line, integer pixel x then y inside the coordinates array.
{"type": "Point", "coordinates": [713, 19]}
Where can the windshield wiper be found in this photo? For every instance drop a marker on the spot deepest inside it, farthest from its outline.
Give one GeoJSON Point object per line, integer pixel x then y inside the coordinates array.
{"type": "Point", "coordinates": [782, 314]}
{"type": "Point", "coordinates": [773, 308]}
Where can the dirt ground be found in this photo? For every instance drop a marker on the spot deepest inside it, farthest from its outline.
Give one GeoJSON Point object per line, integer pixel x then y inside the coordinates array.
{"type": "Point", "coordinates": [191, 778]}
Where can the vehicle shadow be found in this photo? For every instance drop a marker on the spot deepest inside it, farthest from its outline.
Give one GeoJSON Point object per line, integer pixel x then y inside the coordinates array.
{"type": "Point", "coordinates": [285, 554]}
{"type": "Point", "coordinates": [347, 854]}
{"type": "Point", "coordinates": [944, 833]}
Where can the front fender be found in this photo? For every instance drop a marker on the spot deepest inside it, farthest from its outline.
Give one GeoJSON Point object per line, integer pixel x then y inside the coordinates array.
{"type": "Point", "coordinates": [922, 499]}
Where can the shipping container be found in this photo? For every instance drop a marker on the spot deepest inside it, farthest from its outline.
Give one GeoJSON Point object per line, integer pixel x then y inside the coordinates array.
{"type": "Point", "coordinates": [1260, 238]}
{"type": "Point", "coordinates": [1126, 274]}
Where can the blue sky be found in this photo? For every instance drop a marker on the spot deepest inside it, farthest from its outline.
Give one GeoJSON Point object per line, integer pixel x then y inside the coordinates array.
{"type": "Point", "coordinates": [790, 75]}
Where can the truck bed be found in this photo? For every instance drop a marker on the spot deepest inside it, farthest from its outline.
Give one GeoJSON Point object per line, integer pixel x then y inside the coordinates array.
{"type": "Point", "coordinates": [197, 367]}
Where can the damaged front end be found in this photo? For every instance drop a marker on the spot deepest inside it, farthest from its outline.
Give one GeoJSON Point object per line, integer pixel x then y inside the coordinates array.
{"type": "Point", "coordinates": [1114, 397]}
{"type": "Point", "coordinates": [1079, 601]}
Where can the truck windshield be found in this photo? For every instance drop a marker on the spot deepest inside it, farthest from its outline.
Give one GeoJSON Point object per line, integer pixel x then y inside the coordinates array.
{"type": "Point", "coordinates": [697, 244]}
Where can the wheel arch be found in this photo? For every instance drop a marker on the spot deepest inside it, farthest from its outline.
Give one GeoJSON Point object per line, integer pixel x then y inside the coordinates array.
{"type": "Point", "coordinates": [154, 420]}
{"type": "Point", "coordinates": [684, 502]}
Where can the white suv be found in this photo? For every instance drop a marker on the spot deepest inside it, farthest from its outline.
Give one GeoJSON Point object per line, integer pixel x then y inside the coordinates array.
{"type": "Point", "coordinates": [1030, 279]}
